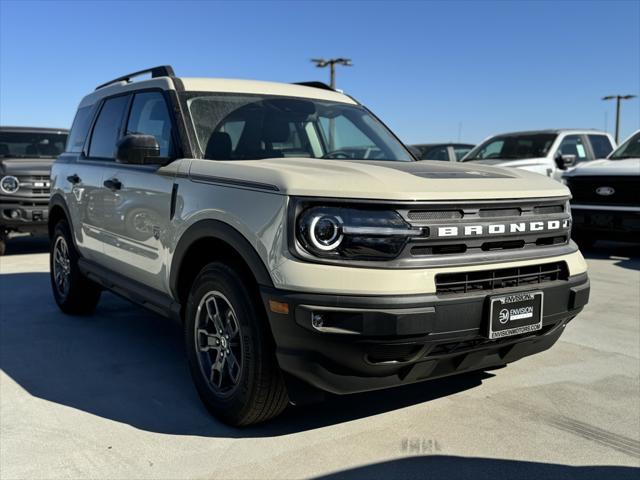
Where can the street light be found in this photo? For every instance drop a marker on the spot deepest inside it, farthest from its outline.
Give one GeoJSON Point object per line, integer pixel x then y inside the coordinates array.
{"type": "Point", "coordinates": [332, 62]}
{"type": "Point", "coordinates": [617, 99]}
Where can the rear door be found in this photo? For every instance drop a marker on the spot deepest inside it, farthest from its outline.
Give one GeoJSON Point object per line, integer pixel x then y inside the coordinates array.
{"type": "Point", "coordinates": [92, 207]}
{"type": "Point", "coordinates": [138, 229]}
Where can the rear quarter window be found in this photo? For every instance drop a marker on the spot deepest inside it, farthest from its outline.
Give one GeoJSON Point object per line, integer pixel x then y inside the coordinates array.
{"type": "Point", "coordinates": [601, 145]}
{"type": "Point", "coordinates": [79, 129]}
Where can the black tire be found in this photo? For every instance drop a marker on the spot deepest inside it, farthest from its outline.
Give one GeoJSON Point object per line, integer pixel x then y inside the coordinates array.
{"type": "Point", "coordinates": [259, 392]}
{"type": "Point", "coordinates": [81, 295]}
{"type": "Point", "coordinates": [3, 244]}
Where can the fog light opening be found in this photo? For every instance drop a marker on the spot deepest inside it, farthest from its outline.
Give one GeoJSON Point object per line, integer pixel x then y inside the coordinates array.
{"type": "Point", "coordinates": [317, 320]}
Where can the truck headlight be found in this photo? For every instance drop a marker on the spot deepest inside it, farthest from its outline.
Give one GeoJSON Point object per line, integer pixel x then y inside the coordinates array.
{"type": "Point", "coordinates": [353, 233]}
{"type": "Point", "coordinates": [9, 184]}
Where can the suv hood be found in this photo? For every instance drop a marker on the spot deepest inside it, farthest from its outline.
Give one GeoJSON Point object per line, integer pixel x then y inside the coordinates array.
{"type": "Point", "coordinates": [626, 166]}
{"type": "Point", "coordinates": [384, 180]}
{"type": "Point", "coordinates": [26, 166]}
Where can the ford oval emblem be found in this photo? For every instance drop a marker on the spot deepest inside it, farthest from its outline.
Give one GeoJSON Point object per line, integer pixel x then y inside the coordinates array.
{"type": "Point", "coordinates": [605, 191]}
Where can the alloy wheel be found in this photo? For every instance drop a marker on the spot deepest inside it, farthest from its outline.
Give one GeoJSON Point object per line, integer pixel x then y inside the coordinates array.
{"type": "Point", "coordinates": [218, 343]}
{"type": "Point", "coordinates": [61, 266]}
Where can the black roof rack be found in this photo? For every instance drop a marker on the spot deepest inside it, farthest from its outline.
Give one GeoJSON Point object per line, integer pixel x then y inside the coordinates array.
{"type": "Point", "coordinates": [161, 71]}
{"type": "Point", "coordinates": [321, 85]}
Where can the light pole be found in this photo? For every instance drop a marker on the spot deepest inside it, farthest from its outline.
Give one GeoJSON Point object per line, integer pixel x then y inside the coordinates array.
{"type": "Point", "coordinates": [332, 62]}
{"type": "Point", "coordinates": [618, 98]}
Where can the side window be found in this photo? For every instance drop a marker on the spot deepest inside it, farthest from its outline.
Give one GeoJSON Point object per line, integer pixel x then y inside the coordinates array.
{"type": "Point", "coordinates": [79, 129]}
{"type": "Point", "coordinates": [572, 145]}
{"type": "Point", "coordinates": [107, 128]}
{"type": "Point", "coordinates": [150, 116]}
{"type": "Point", "coordinates": [601, 145]}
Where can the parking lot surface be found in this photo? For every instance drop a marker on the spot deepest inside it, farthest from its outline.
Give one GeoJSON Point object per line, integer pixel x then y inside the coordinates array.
{"type": "Point", "coordinates": [109, 396]}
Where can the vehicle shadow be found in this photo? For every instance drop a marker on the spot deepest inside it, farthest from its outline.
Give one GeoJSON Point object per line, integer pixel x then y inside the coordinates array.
{"type": "Point", "coordinates": [463, 468]}
{"type": "Point", "coordinates": [128, 365]}
{"type": "Point", "coordinates": [26, 244]}
{"type": "Point", "coordinates": [627, 255]}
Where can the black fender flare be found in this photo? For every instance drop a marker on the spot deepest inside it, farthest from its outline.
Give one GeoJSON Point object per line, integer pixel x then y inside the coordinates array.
{"type": "Point", "coordinates": [218, 230]}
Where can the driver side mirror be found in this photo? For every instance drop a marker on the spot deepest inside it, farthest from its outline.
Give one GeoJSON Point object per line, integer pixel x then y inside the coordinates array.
{"type": "Point", "coordinates": [565, 161]}
{"type": "Point", "coordinates": [138, 150]}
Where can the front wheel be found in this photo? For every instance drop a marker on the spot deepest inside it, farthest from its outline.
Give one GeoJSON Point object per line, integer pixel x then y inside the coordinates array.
{"type": "Point", "coordinates": [74, 293]}
{"type": "Point", "coordinates": [230, 350]}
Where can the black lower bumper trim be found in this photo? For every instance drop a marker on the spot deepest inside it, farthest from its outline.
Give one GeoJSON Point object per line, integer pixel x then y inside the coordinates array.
{"type": "Point", "coordinates": [24, 218]}
{"type": "Point", "coordinates": [367, 343]}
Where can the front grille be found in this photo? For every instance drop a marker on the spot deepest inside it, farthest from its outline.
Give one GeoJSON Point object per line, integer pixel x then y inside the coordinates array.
{"type": "Point", "coordinates": [426, 215]}
{"type": "Point", "coordinates": [473, 228]}
{"type": "Point", "coordinates": [489, 280]}
{"type": "Point", "coordinates": [584, 190]}
{"type": "Point", "coordinates": [34, 185]}
{"type": "Point", "coordinates": [488, 211]}
{"type": "Point", "coordinates": [499, 212]}
{"type": "Point", "coordinates": [548, 209]}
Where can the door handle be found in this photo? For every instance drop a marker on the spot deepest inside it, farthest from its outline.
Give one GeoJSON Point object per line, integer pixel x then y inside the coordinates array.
{"type": "Point", "coordinates": [73, 179]}
{"type": "Point", "coordinates": [113, 184]}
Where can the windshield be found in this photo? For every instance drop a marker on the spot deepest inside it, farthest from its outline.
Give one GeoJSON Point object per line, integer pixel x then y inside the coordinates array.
{"type": "Point", "coordinates": [249, 127]}
{"type": "Point", "coordinates": [629, 149]}
{"type": "Point", "coordinates": [31, 144]}
{"type": "Point", "coordinates": [513, 147]}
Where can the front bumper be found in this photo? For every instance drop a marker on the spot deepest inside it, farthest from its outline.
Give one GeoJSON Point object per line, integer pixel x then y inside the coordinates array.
{"type": "Point", "coordinates": [607, 224]}
{"type": "Point", "coordinates": [24, 214]}
{"type": "Point", "coordinates": [375, 342]}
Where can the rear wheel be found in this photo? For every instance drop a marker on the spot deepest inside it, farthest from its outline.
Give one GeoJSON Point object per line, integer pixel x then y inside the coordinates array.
{"type": "Point", "coordinates": [73, 292]}
{"type": "Point", "coordinates": [230, 350]}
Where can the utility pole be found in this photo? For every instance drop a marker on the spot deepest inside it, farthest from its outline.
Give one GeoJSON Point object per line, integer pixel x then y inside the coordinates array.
{"type": "Point", "coordinates": [331, 63]}
{"type": "Point", "coordinates": [617, 99]}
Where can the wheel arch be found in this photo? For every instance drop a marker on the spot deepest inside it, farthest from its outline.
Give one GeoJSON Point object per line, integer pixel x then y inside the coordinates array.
{"type": "Point", "coordinates": [210, 240]}
{"type": "Point", "coordinates": [58, 210]}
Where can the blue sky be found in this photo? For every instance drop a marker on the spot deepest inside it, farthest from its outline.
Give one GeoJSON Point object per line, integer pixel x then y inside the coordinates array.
{"type": "Point", "coordinates": [428, 69]}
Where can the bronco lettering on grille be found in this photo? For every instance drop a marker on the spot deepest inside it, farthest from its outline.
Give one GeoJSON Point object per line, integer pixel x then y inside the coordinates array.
{"type": "Point", "coordinates": [502, 228]}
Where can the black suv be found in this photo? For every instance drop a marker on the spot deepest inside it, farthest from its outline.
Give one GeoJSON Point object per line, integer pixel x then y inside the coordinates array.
{"type": "Point", "coordinates": [26, 155]}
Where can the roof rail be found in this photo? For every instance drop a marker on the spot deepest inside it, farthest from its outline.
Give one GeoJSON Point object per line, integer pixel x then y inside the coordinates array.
{"type": "Point", "coordinates": [316, 84]}
{"type": "Point", "coordinates": [161, 71]}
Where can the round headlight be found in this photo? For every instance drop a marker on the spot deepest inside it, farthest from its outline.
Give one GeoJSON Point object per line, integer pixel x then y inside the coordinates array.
{"type": "Point", "coordinates": [325, 232]}
{"type": "Point", "coordinates": [9, 184]}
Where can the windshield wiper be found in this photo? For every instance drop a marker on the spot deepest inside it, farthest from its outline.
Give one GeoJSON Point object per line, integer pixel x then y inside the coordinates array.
{"type": "Point", "coordinates": [621, 157]}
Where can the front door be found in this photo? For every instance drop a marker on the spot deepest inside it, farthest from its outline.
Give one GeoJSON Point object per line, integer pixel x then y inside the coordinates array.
{"type": "Point", "coordinates": [137, 233]}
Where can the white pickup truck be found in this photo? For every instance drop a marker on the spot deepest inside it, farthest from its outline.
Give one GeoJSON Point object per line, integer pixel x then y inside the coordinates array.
{"type": "Point", "coordinates": [548, 152]}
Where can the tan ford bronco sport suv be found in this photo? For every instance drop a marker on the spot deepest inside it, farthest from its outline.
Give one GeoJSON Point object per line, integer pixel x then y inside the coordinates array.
{"type": "Point", "coordinates": [299, 242]}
